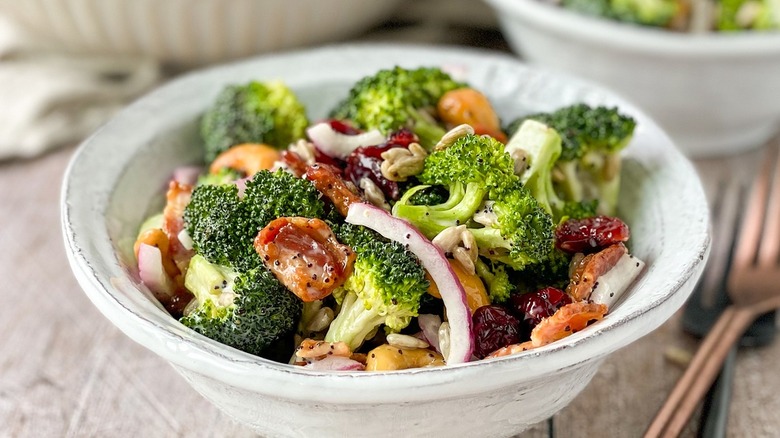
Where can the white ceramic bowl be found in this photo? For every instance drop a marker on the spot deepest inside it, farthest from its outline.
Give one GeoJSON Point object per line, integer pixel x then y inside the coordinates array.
{"type": "Point", "coordinates": [714, 94]}
{"type": "Point", "coordinates": [191, 32]}
{"type": "Point", "coordinates": [118, 175]}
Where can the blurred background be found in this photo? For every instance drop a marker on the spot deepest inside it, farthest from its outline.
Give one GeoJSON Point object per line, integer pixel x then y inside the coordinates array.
{"type": "Point", "coordinates": [68, 66]}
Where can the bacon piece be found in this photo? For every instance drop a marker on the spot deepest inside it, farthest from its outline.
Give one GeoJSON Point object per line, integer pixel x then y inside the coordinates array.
{"type": "Point", "coordinates": [178, 197]}
{"type": "Point", "coordinates": [294, 163]}
{"type": "Point", "coordinates": [567, 320]}
{"type": "Point", "coordinates": [590, 268]}
{"type": "Point", "coordinates": [331, 185]}
{"type": "Point", "coordinates": [305, 256]}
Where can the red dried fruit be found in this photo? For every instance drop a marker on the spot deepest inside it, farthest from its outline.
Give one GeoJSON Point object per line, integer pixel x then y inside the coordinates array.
{"type": "Point", "coordinates": [590, 234]}
{"type": "Point", "coordinates": [494, 327]}
{"type": "Point", "coordinates": [402, 137]}
{"type": "Point", "coordinates": [366, 162]}
{"type": "Point", "coordinates": [533, 307]}
{"type": "Point", "coordinates": [343, 127]}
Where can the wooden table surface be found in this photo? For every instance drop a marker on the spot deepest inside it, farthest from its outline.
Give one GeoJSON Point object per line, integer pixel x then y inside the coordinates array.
{"type": "Point", "coordinates": [66, 371]}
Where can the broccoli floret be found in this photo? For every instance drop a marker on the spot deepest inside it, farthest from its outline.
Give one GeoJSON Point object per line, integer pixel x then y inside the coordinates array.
{"type": "Point", "coordinates": [645, 12]}
{"type": "Point", "coordinates": [223, 225]}
{"type": "Point", "coordinates": [385, 287]}
{"type": "Point", "coordinates": [579, 210]}
{"type": "Point", "coordinates": [429, 195]}
{"type": "Point", "coordinates": [521, 233]}
{"type": "Point", "coordinates": [584, 129]}
{"type": "Point", "coordinates": [596, 8]}
{"type": "Point", "coordinates": [496, 279]}
{"type": "Point", "coordinates": [249, 311]}
{"type": "Point", "coordinates": [588, 165]}
{"type": "Point", "coordinates": [553, 271]}
{"type": "Point", "coordinates": [735, 15]}
{"type": "Point", "coordinates": [221, 228]}
{"type": "Point", "coordinates": [472, 168]}
{"type": "Point", "coordinates": [223, 176]}
{"type": "Point", "coordinates": [398, 98]}
{"type": "Point", "coordinates": [257, 112]}
{"type": "Point", "coordinates": [271, 195]}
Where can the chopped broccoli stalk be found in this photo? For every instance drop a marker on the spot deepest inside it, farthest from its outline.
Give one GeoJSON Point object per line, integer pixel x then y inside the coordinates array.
{"type": "Point", "coordinates": [257, 112]}
{"type": "Point", "coordinates": [398, 98]}
{"type": "Point", "coordinates": [223, 225]}
{"type": "Point", "coordinates": [496, 279]}
{"type": "Point", "coordinates": [541, 147]}
{"type": "Point", "coordinates": [385, 287]}
{"type": "Point", "coordinates": [248, 311]}
{"type": "Point", "coordinates": [459, 208]}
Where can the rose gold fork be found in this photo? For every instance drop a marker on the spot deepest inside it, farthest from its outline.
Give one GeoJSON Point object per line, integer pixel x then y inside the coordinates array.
{"type": "Point", "coordinates": [754, 289]}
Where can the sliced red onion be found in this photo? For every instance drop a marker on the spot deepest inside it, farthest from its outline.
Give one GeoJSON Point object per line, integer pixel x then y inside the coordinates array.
{"type": "Point", "coordinates": [335, 363]}
{"type": "Point", "coordinates": [187, 174]}
{"type": "Point", "coordinates": [241, 184]}
{"type": "Point", "coordinates": [429, 324]}
{"type": "Point", "coordinates": [338, 145]}
{"type": "Point", "coordinates": [434, 261]}
{"type": "Point", "coordinates": [152, 273]}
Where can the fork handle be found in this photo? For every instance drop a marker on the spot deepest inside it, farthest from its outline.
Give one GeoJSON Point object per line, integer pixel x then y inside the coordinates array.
{"type": "Point", "coordinates": [701, 372]}
{"type": "Point", "coordinates": [715, 412]}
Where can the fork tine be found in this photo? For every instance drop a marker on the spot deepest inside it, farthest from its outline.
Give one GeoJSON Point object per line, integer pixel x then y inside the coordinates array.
{"type": "Point", "coordinates": [770, 245]}
{"type": "Point", "coordinates": [751, 230]}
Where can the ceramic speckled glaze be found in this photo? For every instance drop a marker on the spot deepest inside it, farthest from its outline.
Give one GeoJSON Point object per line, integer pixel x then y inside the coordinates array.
{"type": "Point", "coordinates": [714, 93]}
{"type": "Point", "coordinates": [119, 174]}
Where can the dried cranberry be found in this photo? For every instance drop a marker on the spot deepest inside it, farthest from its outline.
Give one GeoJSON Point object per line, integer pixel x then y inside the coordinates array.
{"type": "Point", "coordinates": [590, 234]}
{"type": "Point", "coordinates": [366, 162]}
{"type": "Point", "coordinates": [402, 137]}
{"type": "Point", "coordinates": [343, 127]}
{"type": "Point", "coordinates": [494, 327]}
{"type": "Point", "coordinates": [535, 306]}
{"type": "Point", "coordinates": [322, 157]}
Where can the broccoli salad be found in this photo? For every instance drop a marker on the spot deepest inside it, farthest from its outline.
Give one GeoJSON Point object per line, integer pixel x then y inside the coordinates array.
{"type": "Point", "coordinates": [409, 229]}
{"type": "Point", "coordinates": [685, 15]}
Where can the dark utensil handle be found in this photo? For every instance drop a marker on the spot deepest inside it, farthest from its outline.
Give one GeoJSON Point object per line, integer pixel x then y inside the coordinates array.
{"type": "Point", "coordinates": [715, 412]}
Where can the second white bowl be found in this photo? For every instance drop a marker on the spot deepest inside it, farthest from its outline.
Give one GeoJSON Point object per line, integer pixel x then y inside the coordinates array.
{"type": "Point", "coordinates": [714, 94]}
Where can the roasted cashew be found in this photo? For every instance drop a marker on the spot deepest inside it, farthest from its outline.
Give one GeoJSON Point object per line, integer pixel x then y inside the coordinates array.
{"type": "Point", "coordinates": [453, 135]}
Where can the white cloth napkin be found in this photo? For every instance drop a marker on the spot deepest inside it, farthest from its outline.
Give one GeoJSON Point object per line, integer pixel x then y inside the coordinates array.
{"type": "Point", "coordinates": [50, 98]}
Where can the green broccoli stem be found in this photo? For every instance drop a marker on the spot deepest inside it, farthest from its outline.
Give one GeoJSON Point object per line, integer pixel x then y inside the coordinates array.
{"type": "Point", "coordinates": [428, 131]}
{"type": "Point", "coordinates": [571, 186]}
{"type": "Point", "coordinates": [459, 209]}
{"type": "Point", "coordinates": [354, 322]}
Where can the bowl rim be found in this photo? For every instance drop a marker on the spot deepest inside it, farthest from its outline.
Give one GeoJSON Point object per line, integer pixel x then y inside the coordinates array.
{"type": "Point", "coordinates": [629, 37]}
{"type": "Point", "coordinates": [192, 351]}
